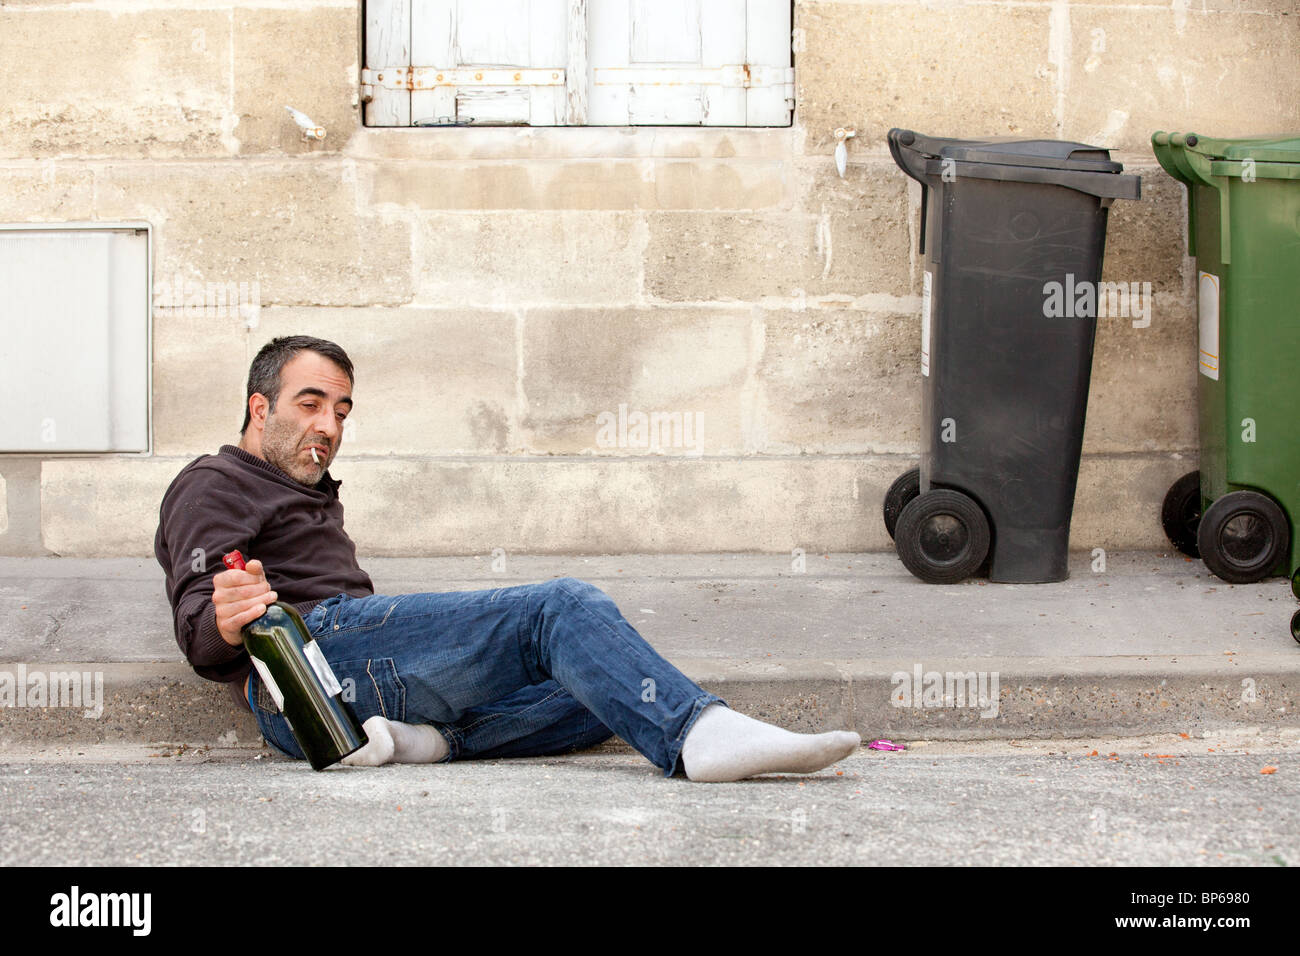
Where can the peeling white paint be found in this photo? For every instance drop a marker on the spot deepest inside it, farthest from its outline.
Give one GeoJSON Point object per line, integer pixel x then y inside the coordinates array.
{"type": "Point", "coordinates": [1180, 15]}
{"type": "Point", "coordinates": [753, 396]}
{"type": "Point", "coordinates": [230, 118]}
{"type": "Point", "coordinates": [824, 244]}
{"type": "Point", "coordinates": [521, 394]}
{"type": "Point", "coordinates": [1058, 54]}
{"type": "Point", "coordinates": [1108, 134]}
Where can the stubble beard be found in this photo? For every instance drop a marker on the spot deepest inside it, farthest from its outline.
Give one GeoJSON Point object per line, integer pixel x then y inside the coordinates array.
{"type": "Point", "coordinates": [280, 448]}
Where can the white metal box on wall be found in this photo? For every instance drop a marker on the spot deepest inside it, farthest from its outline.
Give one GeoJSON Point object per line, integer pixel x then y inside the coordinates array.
{"type": "Point", "coordinates": [75, 335]}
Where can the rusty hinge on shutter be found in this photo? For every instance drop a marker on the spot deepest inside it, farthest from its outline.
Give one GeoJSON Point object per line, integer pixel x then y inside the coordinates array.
{"type": "Point", "coordinates": [430, 78]}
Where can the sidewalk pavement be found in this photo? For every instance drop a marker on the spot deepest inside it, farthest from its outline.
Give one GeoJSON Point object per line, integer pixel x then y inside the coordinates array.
{"type": "Point", "coordinates": [1151, 643]}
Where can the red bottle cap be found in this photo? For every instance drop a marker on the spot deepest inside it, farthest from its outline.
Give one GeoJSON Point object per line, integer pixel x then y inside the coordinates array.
{"type": "Point", "coordinates": [233, 560]}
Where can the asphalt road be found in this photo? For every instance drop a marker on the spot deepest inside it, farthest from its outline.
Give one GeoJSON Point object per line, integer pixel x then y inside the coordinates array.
{"type": "Point", "coordinates": [1166, 801]}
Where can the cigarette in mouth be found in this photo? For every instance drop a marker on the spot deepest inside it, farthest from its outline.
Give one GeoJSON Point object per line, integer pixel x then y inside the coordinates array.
{"type": "Point", "coordinates": [315, 457]}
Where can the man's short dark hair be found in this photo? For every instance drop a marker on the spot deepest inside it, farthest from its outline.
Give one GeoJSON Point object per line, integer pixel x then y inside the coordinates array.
{"type": "Point", "coordinates": [264, 373]}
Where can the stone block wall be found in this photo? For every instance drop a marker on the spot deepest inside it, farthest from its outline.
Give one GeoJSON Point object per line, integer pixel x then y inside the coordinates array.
{"type": "Point", "coordinates": [504, 291]}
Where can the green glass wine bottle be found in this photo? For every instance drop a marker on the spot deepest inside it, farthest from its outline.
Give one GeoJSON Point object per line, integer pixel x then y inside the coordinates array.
{"type": "Point", "coordinates": [304, 687]}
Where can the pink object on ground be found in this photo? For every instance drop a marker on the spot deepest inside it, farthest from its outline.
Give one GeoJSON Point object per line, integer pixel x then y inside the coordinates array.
{"type": "Point", "coordinates": [883, 744]}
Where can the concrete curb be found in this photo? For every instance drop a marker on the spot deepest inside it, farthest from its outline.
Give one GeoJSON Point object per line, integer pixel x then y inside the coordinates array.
{"type": "Point", "coordinates": [166, 704]}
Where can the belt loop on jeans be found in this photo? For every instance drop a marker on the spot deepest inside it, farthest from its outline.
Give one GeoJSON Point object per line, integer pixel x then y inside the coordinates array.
{"type": "Point", "coordinates": [306, 619]}
{"type": "Point", "coordinates": [332, 616]}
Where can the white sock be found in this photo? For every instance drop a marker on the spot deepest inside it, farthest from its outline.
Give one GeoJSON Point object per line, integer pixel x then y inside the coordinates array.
{"type": "Point", "coordinates": [724, 745]}
{"type": "Point", "coordinates": [394, 742]}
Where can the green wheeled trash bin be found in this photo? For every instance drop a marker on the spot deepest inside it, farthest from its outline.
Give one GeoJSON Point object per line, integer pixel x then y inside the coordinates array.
{"type": "Point", "coordinates": [1013, 232]}
{"type": "Point", "coordinates": [1239, 511]}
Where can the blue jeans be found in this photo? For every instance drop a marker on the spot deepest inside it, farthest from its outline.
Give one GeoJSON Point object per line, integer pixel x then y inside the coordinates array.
{"type": "Point", "coordinates": [526, 671]}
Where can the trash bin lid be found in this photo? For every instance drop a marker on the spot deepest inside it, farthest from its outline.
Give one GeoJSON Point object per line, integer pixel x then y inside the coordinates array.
{"type": "Point", "coordinates": [1040, 153]}
{"type": "Point", "coordinates": [1276, 148]}
{"type": "Point", "coordinates": [1203, 161]}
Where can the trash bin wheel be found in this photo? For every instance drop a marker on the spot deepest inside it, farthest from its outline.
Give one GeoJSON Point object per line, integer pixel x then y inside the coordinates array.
{"type": "Point", "coordinates": [1295, 583]}
{"type": "Point", "coordinates": [942, 536]}
{"type": "Point", "coordinates": [900, 494]}
{"type": "Point", "coordinates": [1242, 536]}
{"type": "Point", "coordinates": [1181, 513]}
{"type": "Point", "coordinates": [1295, 626]}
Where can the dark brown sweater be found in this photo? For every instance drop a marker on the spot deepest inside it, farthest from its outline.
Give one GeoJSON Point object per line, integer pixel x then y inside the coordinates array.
{"type": "Point", "coordinates": [235, 500]}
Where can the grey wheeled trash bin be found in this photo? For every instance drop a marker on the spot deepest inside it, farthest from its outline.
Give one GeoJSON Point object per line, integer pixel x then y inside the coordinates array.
{"type": "Point", "coordinates": [1013, 234]}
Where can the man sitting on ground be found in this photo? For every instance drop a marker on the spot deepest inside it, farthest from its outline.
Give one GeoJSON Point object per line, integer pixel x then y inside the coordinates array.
{"type": "Point", "coordinates": [533, 670]}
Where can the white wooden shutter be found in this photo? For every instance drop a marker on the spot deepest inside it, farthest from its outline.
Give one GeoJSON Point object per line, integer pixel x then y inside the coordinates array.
{"type": "Point", "coordinates": [767, 47]}
{"type": "Point", "coordinates": [575, 62]}
{"type": "Point", "coordinates": [473, 42]}
{"type": "Point", "coordinates": [489, 62]}
{"type": "Point", "coordinates": [689, 62]}
{"type": "Point", "coordinates": [388, 47]}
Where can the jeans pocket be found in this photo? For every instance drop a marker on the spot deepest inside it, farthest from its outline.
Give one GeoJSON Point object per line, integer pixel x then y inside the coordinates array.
{"type": "Point", "coordinates": [272, 724]}
{"type": "Point", "coordinates": [360, 614]}
{"type": "Point", "coordinates": [371, 687]}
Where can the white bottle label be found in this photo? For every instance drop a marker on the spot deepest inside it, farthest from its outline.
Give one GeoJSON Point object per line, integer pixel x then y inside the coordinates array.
{"type": "Point", "coordinates": [1208, 314]}
{"type": "Point", "coordinates": [927, 302]}
{"type": "Point", "coordinates": [265, 673]}
{"type": "Point", "coordinates": [311, 650]}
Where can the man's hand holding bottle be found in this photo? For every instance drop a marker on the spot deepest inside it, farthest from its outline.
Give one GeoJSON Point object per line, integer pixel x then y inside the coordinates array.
{"type": "Point", "coordinates": [241, 596]}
